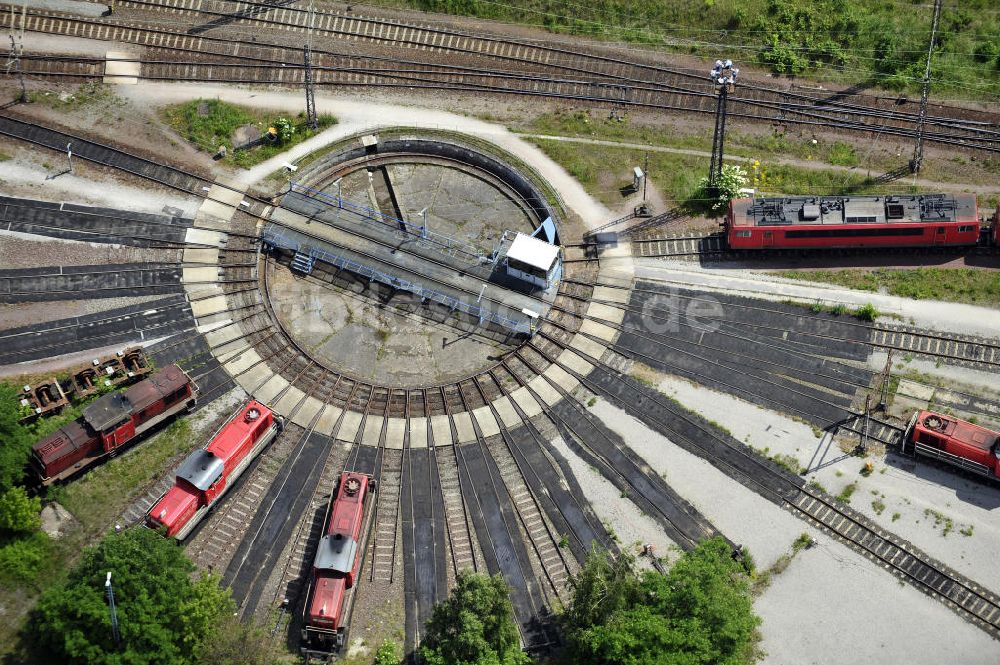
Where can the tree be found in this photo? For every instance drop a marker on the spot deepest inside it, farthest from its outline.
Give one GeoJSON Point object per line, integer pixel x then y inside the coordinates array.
{"type": "Point", "coordinates": [699, 613]}
{"type": "Point", "coordinates": [163, 615]}
{"type": "Point", "coordinates": [474, 625]}
{"type": "Point", "coordinates": [15, 441]}
{"type": "Point", "coordinates": [19, 513]}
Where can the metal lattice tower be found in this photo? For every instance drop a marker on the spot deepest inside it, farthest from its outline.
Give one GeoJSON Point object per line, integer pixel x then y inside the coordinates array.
{"type": "Point", "coordinates": [312, 120]}
{"type": "Point", "coordinates": [724, 78]}
{"type": "Point", "coordinates": [918, 150]}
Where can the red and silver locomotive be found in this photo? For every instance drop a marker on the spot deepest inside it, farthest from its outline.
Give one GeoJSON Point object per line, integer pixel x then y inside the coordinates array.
{"type": "Point", "coordinates": [957, 442]}
{"type": "Point", "coordinates": [330, 595]}
{"type": "Point", "coordinates": [207, 474]}
{"type": "Point", "coordinates": [818, 222]}
{"type": "Point", "coordinates": [111, 422]}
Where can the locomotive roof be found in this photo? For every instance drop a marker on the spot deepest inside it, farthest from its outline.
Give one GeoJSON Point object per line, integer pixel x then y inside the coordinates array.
{"type": "Point", "coordinates": [824, 210]}
{"type": "Point", "coordinates": [107, 410]}
{"type": "Point", "coordinates": [336, 553]}
{"type": "Point", "coordinates": [201, 469]}
{"type": "Point", "coordinates": [960, 430]}
{"type": "Point", "coordinates": [67, 439]}
{"type": "Point", "coordinates": [156, 387]}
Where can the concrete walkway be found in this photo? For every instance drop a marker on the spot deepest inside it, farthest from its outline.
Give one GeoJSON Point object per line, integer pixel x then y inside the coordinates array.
{"type": "Point", "coordinates": [355, 116]}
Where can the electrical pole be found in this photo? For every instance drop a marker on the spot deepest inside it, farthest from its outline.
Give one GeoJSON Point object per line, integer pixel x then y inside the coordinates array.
{"type": "Point", "coordinates": [312, 120]}
{"type": "Point", "coordinates": [111, 609]}
{"type": "Point", "coordinates": [918, 151]}
{"type": "Point", "coordinates": [724, 79]}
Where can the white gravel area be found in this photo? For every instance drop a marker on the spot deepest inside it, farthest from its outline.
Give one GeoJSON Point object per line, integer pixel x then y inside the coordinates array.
{"type": "Point", "coordinates": [932, 315]}
{"type": "Point", "coordinates": [830, 605]}
{"type": "Point", "coordinates": [36, 175]}
{"type": "Point", "coordinates": [24, 250]}
{"type": "Point", "coordinates": [744, 516]}
{"type": "Point", "coordinates": [37, 42]}
{"type": "Point", "coordinates": [917, 501]}
{"type": "Point", "coordinates": [629, 523]}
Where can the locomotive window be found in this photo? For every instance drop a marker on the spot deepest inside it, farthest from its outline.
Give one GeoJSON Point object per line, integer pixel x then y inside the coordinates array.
{"type": "Point", "coordinates": [941, 230]}
{"type": "Point", "coordinates": [966, 228]}
{"type": "Point", "coordinates": [742, 234]}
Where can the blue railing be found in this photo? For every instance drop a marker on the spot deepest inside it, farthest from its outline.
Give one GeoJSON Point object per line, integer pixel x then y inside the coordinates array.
{"type": "Point", "coordinates": [276, 238]}
{"type": "Point", "coordinates": [447, 243]}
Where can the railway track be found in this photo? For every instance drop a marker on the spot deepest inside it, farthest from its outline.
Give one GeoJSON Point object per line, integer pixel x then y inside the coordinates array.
{"type": "Point", "coordinates": [624, 75]}
{"type": "Point", "coordinates": [965, 350]}
{"type": "Point", "coordinates": [965, 597]}
{"type": "Point", "coordinates": [593, 78]}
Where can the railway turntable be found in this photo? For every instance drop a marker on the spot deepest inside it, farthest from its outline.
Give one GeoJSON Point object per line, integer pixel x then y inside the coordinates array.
{"type": "Point", "coordinates": [488, 274]}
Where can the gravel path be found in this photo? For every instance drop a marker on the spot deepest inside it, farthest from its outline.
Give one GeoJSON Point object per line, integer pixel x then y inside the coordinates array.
{"type": "Point", "coordinates": [629, 523]}
{"type": "Point", "coordinates": [356, 115]}
{"type": "Point", "coordinates": [932, 315]}
{"type": "Point", "coordinates": [35, 174]}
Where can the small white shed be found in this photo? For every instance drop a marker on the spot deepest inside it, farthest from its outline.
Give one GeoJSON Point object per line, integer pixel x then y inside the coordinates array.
{"type": "Point", "coordinates": [532, 260]}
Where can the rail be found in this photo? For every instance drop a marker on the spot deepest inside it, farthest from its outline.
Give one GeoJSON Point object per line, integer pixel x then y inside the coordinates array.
{"type": "Point", "coordinates": [446, 243]}
{"type": "Point", "coordinates": [277, 238]}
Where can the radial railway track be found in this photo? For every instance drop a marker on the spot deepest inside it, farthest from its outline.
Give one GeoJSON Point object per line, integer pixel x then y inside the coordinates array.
{"type": "Point", "coordinates": [978, 605]}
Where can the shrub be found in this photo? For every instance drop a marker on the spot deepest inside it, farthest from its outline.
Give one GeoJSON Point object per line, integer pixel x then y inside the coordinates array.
{"type": "Point", "coordinates": [867, 312]}
{"type": "Point", "coordinates": [19, 513]}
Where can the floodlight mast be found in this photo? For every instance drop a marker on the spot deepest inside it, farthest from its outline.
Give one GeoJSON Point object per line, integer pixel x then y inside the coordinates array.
{"type": "Point", "coordinates": [723, 77]}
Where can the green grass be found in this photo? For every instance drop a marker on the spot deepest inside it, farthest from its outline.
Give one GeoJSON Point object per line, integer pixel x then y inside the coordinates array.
{"type": "Point", "coordinates": [966, 285]}
{"type": "Point", "coordinates": [846, 493]}
{"type": "Point", "coordinates": [88, 94]}
{"type": "Point", "coordinates": [210, 123]}
{"type": "Point", "coordinates": [882, 43]}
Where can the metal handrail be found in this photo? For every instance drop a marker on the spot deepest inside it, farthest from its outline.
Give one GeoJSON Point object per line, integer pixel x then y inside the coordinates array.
{"type": "Point", "coordinates": [421, 231]}
{"type": "Point", "coordinates": [484, 315]}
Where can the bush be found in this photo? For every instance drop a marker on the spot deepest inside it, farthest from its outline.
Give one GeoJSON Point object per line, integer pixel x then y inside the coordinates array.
{"type": "Point", "coordinates": [474, 625]}
{"type": "Point", "coordinates": [866, 312]}
{"type": "Point", "coordinates": [387, 654]}
{"type": "Point", "coordinates": [700, 612]}
{"type": "Point", "coordinates": [19, 513]}
{"type": "Point", "coordinates": [707, 199]}
{"type": "Point", "coordinates": [15, 440]}
{"type": "Point", "coordinates": [24, 561]}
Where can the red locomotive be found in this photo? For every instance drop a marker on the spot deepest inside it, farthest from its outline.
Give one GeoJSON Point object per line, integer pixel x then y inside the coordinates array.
{"type": "Point", "coordinates": [954, 441]}
{"type": "Point", "coordinates": [111, 422]}
{"type": "Point", "coordinates": [817, 222]}
{"type": "Point", "coordinates": [207, 474]}
{"type": "Point", "coordinates": [338, 561]}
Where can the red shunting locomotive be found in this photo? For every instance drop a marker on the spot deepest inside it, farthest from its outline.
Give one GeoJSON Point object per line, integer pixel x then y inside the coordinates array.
{"type": "Point", "coordinates": [818, 222]}
{"type": "Point", "coordinates": [111, 422]}
{"type": "Point", "coordinates": [338, 561]}
{"type": "Point", "coordinates": [957, 442]}
{"type": "Point", "coordinates": [207, 474]}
